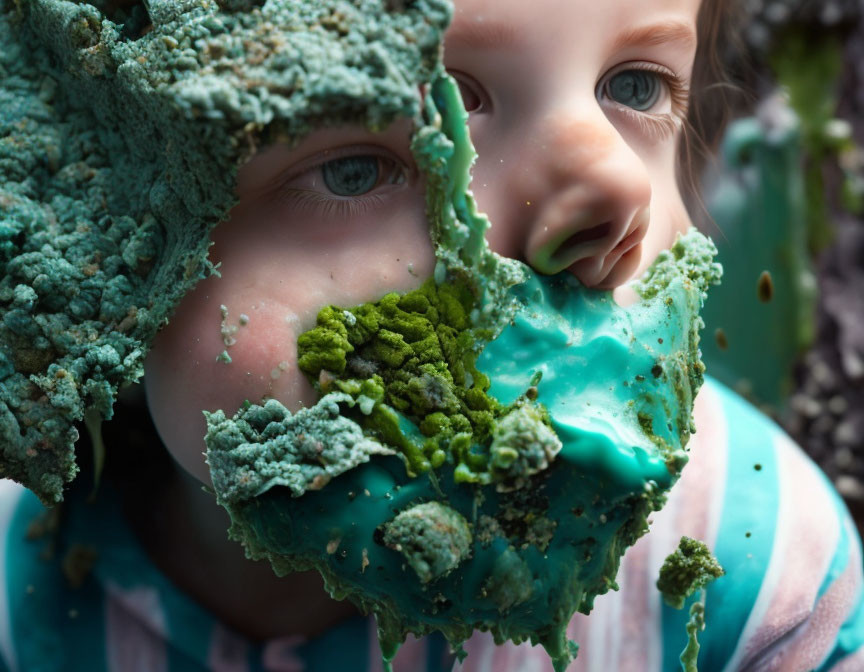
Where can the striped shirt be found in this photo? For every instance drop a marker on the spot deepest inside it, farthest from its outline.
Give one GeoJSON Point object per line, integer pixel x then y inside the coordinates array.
{"type": "Point", "coordinates": [791, 598]}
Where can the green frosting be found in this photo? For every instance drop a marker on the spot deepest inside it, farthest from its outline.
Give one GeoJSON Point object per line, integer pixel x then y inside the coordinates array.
{"type": "Point", "coordinates": [121, 129]}
{"type": "Point", "coordinates": [533, 425]}
{"type": "Point", "coordinates": [690, 568]}
{"type": "Point", "coordinates": [695, 625]}
{"type": "Point", "coordinates": [420, 348]}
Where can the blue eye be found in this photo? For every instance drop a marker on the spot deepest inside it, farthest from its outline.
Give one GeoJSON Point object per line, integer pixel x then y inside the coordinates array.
{"type": "Point", "coordinates": [639, 89]}
{"type": "Point", "coordinates": [351, 176]}
{"type": "Point", "coordinates": [358, 175]}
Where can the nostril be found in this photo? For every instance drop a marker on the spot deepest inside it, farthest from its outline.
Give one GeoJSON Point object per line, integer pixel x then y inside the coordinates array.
{"type": "Point", "coordinates": [578, 240]}
{"type": "Point", "coordinates": [582, 237]}
{"type": "Point", "coordinates": [628, 243]}
{"type": "Point", "coordinates": [621, 263]}
{"type": "Point", "coordinates": [551, 256]}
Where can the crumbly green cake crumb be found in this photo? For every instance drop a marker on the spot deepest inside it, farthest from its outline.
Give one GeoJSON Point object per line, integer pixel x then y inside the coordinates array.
{"type": "Point", "coordinates": [690, 568]}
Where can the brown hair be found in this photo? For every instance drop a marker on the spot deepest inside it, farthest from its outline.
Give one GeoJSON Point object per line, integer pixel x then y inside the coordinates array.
{"type": "Point", "coordinates": [714, 96]}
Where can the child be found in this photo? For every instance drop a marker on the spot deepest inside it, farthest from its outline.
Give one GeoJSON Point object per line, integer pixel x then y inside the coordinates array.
{"type": "Point", "coordinates": [576, 113]}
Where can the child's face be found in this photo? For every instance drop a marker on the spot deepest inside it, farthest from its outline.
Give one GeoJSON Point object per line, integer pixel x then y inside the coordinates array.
{"type": "Point", "coordinates": [576, 109]}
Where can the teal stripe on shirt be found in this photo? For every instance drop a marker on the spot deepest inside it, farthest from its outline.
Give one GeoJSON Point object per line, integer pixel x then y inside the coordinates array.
{"type": "Point", "coordinates": [54, 628]}
{"type": "Point", "coordinates": [750, 504]}
{"type": "Point", "coordinates": [345, 647]}
{"type": "Point", "coordinates": [125, 563]}
{"type": "Point", "coordinates": [438, 658]}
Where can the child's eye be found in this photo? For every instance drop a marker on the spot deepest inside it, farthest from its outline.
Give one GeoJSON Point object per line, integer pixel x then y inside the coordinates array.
{"type": "Point", "coordinates": [357, 180]}
{"type": "Point", "coordinates": [647, 88]}
{"type": "Point", "coordinates": [358, 175]}
{"type": "Point", "coordinates": [648, 97]}
{"type": "Point", "coordinates": [473, 96]}
{"type": "Point", "coordinates": [638, 89]}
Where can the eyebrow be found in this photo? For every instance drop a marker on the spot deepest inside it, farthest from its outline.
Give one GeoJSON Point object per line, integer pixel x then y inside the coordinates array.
{"type": "Point", "coordinates": [483, 34]}
{"type": "Point", "coordinates": [657, 34]}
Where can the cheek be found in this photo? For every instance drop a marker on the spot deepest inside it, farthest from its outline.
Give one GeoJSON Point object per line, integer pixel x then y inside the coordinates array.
{"type": "Point", "coordinates": [669, 217]}
{"type": "Point", "coordinates": [183, 373]}
{"type": "Point", "coordinates": [277, 279]}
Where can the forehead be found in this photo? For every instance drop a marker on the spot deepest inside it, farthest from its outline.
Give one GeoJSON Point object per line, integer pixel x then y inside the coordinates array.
{"type": "Point", "coordinates": [560, 19]}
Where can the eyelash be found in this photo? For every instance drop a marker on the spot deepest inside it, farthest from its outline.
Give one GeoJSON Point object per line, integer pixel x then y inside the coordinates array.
{"type": "Point", "coordinates": [656, 126]}
{"type": "Point", "coordinates": [309, 202]}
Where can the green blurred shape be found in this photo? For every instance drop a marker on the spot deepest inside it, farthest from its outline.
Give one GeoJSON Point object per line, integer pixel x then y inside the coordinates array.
{"type": "Point", "coordinates": [808, 65]}
{"type": "Point", "coordinates": [759, 205]}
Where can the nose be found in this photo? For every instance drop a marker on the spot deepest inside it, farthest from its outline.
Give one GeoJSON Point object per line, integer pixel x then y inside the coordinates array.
{"type": "Point", "coordinates": [588, 207]}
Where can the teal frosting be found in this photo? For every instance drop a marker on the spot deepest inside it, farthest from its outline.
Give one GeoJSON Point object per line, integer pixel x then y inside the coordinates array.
{"type": "Point", "coordinates": [539, 552]}
{"type": "Point", "coordinates": [606, 371]}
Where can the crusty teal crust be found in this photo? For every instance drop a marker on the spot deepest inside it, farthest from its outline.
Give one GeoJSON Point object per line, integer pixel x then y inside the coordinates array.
{"type": "Point", "coordinates": [119, 147]}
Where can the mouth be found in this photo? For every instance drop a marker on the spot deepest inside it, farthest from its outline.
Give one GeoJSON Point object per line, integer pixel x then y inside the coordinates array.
{"type": "Point", "coordinates": [485, 447]}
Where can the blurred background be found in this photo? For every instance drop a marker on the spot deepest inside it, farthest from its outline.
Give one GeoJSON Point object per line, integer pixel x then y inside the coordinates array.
{"type": "Point", "coordinates": [785, 206]}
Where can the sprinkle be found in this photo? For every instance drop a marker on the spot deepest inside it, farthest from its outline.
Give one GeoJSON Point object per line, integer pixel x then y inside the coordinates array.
{"type": "Point", "coordinates": [765, 287]}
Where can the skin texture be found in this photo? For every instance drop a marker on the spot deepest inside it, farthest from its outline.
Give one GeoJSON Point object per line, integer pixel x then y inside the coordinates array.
{"type": "Point", "coordinates": [570, 180]}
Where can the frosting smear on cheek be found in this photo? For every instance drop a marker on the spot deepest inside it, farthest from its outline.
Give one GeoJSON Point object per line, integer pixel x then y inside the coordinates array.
{"type": "Point", "coordinates": [486, 447]}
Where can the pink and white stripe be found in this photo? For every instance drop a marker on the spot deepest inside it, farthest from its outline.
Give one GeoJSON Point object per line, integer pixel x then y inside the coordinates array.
{"type": "Point", "coordinates": [10, 494]}
{"type": "Point", "coordinates": [411, 656]}
{"type": "Point", "coordinates": [854, 662]}
{"type": "Point", "coordinates": [280, 655]}
{"type": "Point", "coordinates": [135, 633]}
{"type": "Point", "coordinates": [785, 615]}
{"type": "Point", "coordinates": [228, 652]}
